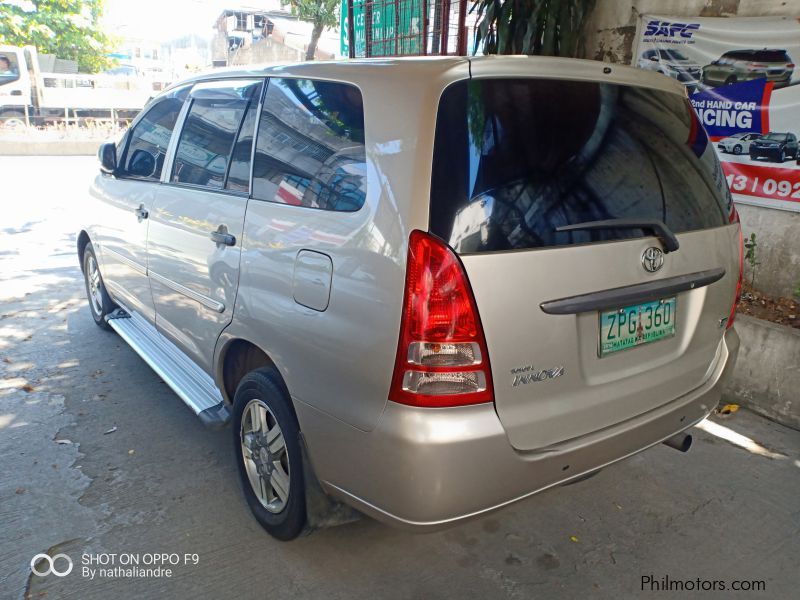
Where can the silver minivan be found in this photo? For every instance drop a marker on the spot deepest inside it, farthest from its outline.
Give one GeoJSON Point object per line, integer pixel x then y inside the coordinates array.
{"type": "Point", "coordinates": [422, 289]}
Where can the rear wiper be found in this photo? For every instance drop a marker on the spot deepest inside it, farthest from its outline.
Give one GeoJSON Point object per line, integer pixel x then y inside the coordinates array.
{"type": "Point", "coordinates": [654, 226]}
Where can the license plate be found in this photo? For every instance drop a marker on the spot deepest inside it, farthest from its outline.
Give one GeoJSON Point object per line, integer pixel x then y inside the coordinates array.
{"type": "Point", "coordinates": [636, 325]}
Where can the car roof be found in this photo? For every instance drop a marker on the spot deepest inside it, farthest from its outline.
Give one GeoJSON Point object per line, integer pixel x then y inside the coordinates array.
{"type": "Point", "coordinates": [429, 67]}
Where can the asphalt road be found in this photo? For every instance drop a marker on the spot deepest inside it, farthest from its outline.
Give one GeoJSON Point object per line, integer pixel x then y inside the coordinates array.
{"type": "Point", "coordinates": [97, 455]}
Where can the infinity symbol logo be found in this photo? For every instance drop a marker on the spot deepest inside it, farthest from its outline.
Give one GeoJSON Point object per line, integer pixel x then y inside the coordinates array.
{"type": "Point", "coordinates": [51, 565]}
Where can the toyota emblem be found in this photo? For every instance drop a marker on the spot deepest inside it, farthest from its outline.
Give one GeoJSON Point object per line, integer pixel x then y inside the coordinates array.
{"type": "Point", "coordinates": [652, 259]}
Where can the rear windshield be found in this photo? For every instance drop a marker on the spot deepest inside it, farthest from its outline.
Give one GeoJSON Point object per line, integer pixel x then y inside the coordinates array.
{"type": "Point", "coordinates": [763, 55]}
{"type": "Point", "coordinates": [514, 159]}
{"type": "Point", "coordinates": [772, 56]}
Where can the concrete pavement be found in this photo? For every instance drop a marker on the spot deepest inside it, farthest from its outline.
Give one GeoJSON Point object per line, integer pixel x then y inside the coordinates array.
{"type": "Point", "coordinates": [97, 455]}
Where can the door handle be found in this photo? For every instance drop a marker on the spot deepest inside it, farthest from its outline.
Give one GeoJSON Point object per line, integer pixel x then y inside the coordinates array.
{"type": "Point", "coordinates": [221, 237]}
{"type": "Point", "coordinates": [141, 212]}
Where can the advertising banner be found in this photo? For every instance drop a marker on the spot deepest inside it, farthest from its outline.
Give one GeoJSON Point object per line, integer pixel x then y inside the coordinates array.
{"type": "Point", "coordinates": [743, 81]}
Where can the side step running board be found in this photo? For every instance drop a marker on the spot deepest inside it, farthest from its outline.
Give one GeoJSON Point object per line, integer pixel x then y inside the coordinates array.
{"type": "Point", "coordinates": [189, 381]}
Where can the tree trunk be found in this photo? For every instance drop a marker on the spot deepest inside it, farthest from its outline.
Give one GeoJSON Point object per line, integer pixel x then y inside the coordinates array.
{"type": "Point", "coordinates": [312, 45]}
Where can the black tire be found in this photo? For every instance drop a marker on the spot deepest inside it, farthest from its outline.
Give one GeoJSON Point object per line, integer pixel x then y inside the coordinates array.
{"type": "Point", "coordinates": [264, 386]}
{"type": "Point", "coordinates": [731, 80]}
{"type": "Point", "coordinates": [100, 303]}
{"type": "Point", "coordinates": [737, 149]}
{"type": "Point", "coordinates": [782, 156]}
{"type": "Point", "coordinates": [12, 119]}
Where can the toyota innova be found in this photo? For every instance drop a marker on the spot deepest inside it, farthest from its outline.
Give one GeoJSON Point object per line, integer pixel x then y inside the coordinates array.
{"type": "Point", "coordinates": [421, 288]}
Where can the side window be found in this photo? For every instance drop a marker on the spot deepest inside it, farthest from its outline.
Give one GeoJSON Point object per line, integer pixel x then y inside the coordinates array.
{"type": "Point", "coordinates": [149, 138]}
{"type": "Point", "coordinates": [9, 69]}
{"type": "Point", "coordinates": [216, 119]}
{"type": "Point", "coordinates": [310, 145]}
{"type": "Point", "coordinates": [239, 173]}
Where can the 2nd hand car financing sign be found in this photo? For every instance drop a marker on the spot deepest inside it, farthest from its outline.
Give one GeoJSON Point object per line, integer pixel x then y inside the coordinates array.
{"type": "Point", "coordinates": [744, 83]}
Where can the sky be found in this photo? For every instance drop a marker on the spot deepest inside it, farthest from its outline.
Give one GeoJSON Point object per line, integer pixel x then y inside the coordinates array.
{"type": "Point", "coordinates": [163, 20]}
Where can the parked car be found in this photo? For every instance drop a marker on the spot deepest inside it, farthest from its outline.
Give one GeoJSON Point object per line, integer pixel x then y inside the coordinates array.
{"type": "Point", "coordinates": [775, 147]}
{"type": "Point", "coordinates": [422, 288]}
{"type": "Point", "coordinates": [746, 65]}
{"type": "Point", "coordinates": [671, 63]}
{"type": "Point", "coordinates": [738, 143]}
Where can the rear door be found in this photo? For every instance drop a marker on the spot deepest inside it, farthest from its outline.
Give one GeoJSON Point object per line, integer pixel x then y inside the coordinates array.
{"type": "Point", "coordinates": [196, 225]}
{"type": "Point", "coordinates": [590, 327]}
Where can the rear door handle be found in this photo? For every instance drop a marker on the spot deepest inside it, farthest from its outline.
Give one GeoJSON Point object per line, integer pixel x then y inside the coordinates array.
{"type": "Point", "coordinates": [141, 212]}
{"type": "Point", "coordinates": [222, 237]}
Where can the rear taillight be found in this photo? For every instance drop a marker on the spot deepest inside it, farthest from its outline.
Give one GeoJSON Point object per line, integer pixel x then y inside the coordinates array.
{"type": "Point", "coordinates": [441, 356]}
{"type": "Point", "coordinates": [738, 296]}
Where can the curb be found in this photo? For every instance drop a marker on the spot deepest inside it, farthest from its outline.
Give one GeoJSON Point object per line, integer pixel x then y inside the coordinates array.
{"type": "Point", "coordinates": [766, 378]}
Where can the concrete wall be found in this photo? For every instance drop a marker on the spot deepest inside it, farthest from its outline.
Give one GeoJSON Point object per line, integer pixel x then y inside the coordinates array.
{"type": "Point", "coordinates": [778, 248]}
{"type": "Point", "coordinates": [49, 147]}
{"type": "Point", "coordinates": [610, 35]}
{"type": "Point", "coordinates": [767, 374]}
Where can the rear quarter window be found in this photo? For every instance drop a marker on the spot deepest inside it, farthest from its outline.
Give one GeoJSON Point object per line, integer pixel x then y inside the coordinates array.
{"type": "Point", "coordinates": [514, 159]}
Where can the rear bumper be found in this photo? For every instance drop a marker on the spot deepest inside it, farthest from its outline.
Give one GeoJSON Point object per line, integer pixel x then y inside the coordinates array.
{"type": "Point", "coordinates": [425, 469]}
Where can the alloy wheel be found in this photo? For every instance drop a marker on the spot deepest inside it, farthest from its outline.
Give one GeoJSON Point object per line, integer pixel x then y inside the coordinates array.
{"type": "Point", "coordinates": [265, 457]}
{"type": "Point", "coordinates": [95, 285]}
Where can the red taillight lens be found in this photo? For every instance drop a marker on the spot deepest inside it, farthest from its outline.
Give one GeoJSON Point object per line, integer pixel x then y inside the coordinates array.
{"type": "Point", "coordinates": [738, 296]}
{"type": "Point", "coordinates": [441, 356]}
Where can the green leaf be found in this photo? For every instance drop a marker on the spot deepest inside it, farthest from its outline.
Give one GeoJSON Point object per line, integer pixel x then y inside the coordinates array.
{"type": "Point", "coordinates": [552, 27]}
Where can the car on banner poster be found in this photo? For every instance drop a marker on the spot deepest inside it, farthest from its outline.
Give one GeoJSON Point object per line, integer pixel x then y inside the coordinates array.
{"type": "Point", "coordinates": [738, 143]}
{"type": "Point", "coordinates": [735, 66]}
{"type": "Point", "coordinates": [775, 147]}
{"type": "Point", "coordinates": [671, 63]}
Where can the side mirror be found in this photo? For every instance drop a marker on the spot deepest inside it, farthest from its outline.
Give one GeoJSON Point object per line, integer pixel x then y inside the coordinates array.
{"type": "Point", "coordinates": [654, 58]}
{"type": "Point", "coordinates": [108, 158]}
{"type": "Point", "coordinates": [142, 164]}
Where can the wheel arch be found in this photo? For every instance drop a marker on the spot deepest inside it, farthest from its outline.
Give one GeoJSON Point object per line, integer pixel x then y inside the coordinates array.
{"type": "Point", "coordinates": [238, 357]}
{"type": "Point", "coordinates": [83, 240]}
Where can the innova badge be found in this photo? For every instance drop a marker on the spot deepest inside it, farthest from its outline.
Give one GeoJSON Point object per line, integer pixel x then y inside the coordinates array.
{"type": "Point", "coordinates": [652, 259]}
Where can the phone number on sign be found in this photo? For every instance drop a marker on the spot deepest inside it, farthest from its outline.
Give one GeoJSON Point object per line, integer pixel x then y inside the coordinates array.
{"type": "Point", "coordinates": [780, 184]}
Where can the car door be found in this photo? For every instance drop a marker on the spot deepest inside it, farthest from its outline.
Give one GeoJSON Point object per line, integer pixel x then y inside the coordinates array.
{"type": "Point", "coordinates": [196, 224]}
{"type": "Point", "coordinates": [125, 199]}
{"type": "Point", "coordinates": [792, 146]}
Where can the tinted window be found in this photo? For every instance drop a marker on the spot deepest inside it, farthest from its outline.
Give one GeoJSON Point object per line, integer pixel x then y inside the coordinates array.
{"type": "Point", "coordinates": [516, 159]}
{"type": "Point", "coordinates": [239, 173]}
{"type": "Point", "coordinates": [742, 55]}
{"type": "Point", "coordinates": [212, 125]}
{"type": "Point", "coordinates": [771, 56]}
{"type": "Point", "coordinates": [310, 148]}
{"type": "Point", "coordinates": [148, 141]}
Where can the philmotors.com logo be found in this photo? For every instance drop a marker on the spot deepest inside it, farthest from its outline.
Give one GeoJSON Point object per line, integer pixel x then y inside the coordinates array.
{"type": "Point", "coordinates": [64, 561]}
